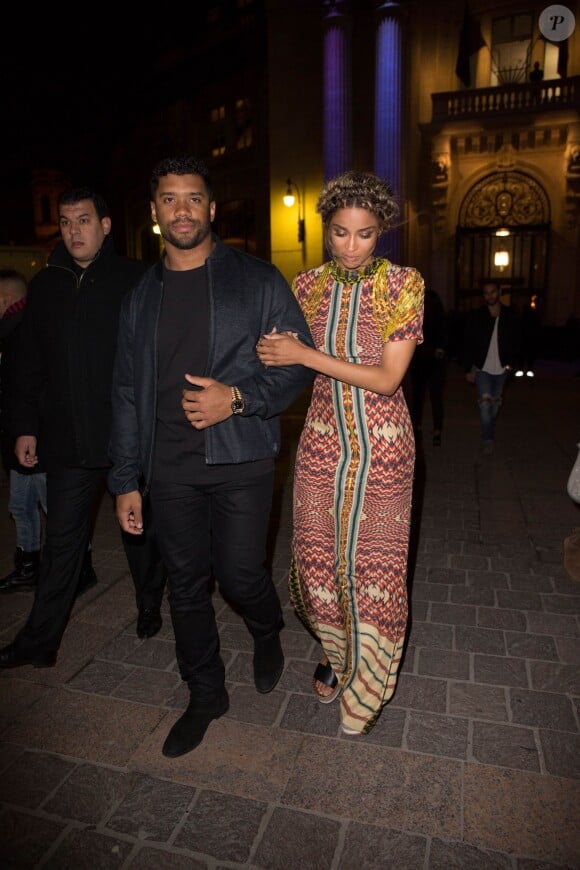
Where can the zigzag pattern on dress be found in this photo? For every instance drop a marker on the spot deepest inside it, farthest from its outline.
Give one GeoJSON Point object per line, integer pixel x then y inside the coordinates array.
{"type": "Point", "coordinates": [353, 486]}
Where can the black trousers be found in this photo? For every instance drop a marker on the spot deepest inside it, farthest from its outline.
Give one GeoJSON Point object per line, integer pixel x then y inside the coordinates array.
{"type": "Point", "coordinates": [73, 494]}
{"type": "Point", "coordinates": [145, 563]}
{"type": "Point", "coordinates": [214, 531]}
{"type": "Point", "coordinates": [427, 374]}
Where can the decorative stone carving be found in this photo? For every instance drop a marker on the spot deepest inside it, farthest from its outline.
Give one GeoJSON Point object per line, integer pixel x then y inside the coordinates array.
{"type": "Point", "coordinates": [506, 157]}
{"type": "Point", "coordinates": [572, 173]}
{"type": "Point", "coordinates": [505, 198]}
{"type": "Point", "coordinates": [440, 166]}
{"type": "Point", "coordinates": [571, 203]}
{"type": "Point", "coordinates": [574, 160]}
{"type": "Point", "coordinates": [440, 171]}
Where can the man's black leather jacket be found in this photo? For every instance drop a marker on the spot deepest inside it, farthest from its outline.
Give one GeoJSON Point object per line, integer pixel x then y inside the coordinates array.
{"type": "Point", "coordinates": [248, 297]}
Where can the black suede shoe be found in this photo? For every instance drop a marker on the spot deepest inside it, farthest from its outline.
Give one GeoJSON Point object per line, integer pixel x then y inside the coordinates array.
{"type": "Point", "coordinates": [12, 657]}
{"type": "Point", "coordinates": [149, 622]}
{"type": "Point", "coordinates": [268, 662]}
{"type": "Point", "coordinates": [189, 730]}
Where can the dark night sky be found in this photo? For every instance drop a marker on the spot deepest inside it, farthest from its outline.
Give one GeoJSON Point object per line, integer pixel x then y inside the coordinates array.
{"type": "Point", "coordinates": [65, 97]}
{"type": "Point", "coordinates": [72, 89]}
{"type": "Point", "coordinates": [64, 91]}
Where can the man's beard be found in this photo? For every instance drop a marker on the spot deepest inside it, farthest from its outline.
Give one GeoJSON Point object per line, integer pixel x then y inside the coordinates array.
{"type": "Point", "coordinates": [186, 244]}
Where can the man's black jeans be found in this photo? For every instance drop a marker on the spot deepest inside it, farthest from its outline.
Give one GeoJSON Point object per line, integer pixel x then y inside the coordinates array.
{"type": "Point", "coordinates": [206, 532]}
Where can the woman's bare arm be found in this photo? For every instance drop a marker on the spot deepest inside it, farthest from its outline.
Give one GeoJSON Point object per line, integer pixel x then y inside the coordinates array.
{"type": "Point", "coordinates": [277, 349]}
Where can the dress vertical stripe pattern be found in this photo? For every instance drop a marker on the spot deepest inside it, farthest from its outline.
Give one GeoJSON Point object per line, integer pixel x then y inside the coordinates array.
{"type": "Point", "coordinates": [353, 485]}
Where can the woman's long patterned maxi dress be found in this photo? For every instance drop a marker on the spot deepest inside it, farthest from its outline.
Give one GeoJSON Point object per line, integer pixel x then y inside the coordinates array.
{"type": "Point", "coordinates": [353, 484]}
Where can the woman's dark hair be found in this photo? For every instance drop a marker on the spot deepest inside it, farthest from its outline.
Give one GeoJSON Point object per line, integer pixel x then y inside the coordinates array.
{"type": "Point", "coordinates": [358, 190]}
{"type": "Point", "coordinates": [184, 164]}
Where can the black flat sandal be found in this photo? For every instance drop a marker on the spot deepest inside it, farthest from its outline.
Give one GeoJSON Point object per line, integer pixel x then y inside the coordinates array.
{"type": "Point", "coordinates": [324, 674]}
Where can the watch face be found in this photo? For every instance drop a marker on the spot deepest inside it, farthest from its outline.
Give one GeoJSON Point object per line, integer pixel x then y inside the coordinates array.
{"type": "Point", "coordinates": [237, 405]}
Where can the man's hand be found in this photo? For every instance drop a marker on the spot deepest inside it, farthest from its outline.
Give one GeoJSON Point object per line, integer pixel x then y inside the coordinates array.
{"type": "Point", "coordinates": [280, 349]}
{"type": "Point", "coordinates": [129, 510]}
{"type": "Point", "coordinates": [25, 450]}
{"type": "Point", "coordinates": [209, 405]}
{"type": "Point", "coordinates": [470, 377]}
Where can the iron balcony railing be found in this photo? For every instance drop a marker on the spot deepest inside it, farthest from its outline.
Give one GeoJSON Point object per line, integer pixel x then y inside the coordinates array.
{"type": "Point", "coordinates": [551, 95]}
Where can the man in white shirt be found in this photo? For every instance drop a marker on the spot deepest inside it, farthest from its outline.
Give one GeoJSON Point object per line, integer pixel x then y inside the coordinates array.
{"type": "Point", "coordinates": [491, 349]}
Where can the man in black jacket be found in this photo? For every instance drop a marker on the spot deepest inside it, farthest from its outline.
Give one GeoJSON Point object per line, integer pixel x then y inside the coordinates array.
{"type": "Point", "coordinates": [27, 486]}
{"type": "Point", "coordinates": [69, 336]}
{"type": "Point", "coordinates": [196, 417]}
{"type": "Point", "coordinates": [491, 350]}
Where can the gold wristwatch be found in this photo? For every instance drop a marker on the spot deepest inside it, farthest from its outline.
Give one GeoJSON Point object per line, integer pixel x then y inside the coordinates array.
{"type": "Point", "coordinates": [238, 405]}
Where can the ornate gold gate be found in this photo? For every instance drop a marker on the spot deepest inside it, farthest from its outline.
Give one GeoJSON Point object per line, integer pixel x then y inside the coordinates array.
{"type": "Point", "coordinates": [503, 233]}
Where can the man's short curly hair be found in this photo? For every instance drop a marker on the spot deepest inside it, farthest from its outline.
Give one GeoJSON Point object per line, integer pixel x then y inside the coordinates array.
{"type": "Point", "coordinates": [181, 164]}
{"type": "Point", "coordinates": [359, 190]}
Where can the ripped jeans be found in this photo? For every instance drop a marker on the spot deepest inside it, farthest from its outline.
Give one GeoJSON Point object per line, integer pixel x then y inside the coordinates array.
{"type": "Point", "coordinates": [489, 390]}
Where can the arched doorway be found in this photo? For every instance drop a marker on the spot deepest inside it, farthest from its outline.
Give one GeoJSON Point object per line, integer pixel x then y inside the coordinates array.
{"type": "Point", "coordinates": [504, 234]}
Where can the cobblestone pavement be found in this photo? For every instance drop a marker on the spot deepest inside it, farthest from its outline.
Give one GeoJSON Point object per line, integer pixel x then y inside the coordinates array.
{"type": "Point", "coordinates": [474, 764]}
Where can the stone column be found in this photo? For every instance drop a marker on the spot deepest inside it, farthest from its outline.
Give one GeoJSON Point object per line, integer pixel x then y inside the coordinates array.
{"type": "Point", "coordinates": [388, 113]}
{"type": "Point", "coordinates": [337, 88]}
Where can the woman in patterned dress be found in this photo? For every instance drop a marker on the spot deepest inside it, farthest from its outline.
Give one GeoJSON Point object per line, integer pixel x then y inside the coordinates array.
{"type": "Point", "coordinates": [356, 455]}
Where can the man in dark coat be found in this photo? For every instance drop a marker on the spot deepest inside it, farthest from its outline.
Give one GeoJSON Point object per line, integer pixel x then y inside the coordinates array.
{"type": "Point", "coordinates": [491, 351]}
{"type": "Point", "coordinates": [27, 486]}
{"type": "Point", "coordinates": [196, 422]}
{"type": "Point", "coordinates": [69, 336]}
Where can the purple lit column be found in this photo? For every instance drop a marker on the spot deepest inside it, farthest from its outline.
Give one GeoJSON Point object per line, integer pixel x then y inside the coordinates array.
{"type": "Point", "coordinates": [337, 89]}
{"type": "Point", "coordinates": [388, 112]}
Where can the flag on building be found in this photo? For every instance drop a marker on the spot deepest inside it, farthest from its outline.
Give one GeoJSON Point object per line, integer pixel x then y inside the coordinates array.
{"type": "Point", "coordinates": [562, 68]}
{"type": "Point", "coordinates": [470, 41]}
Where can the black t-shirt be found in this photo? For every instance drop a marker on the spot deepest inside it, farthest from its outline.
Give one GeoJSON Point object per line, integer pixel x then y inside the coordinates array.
{"type": "Point", "coordinates": [183, 343]}
{"type": "Point", "coordinates": [182, 347]}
